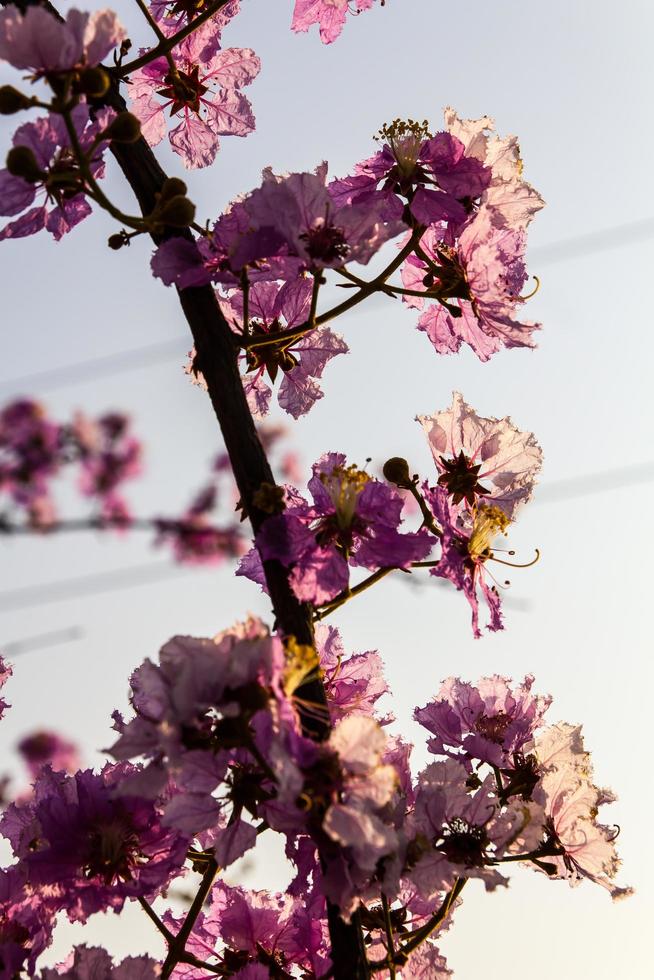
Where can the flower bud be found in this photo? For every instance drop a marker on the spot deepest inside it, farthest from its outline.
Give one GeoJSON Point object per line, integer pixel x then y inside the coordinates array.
{"type": "Point", "coordinates": [172, 187]}
{"type": "Point", "coordinates": [396, 470]}
{"type": "Point", "coordinates": [117, 241]}
{"type": "Point", "coordinates": [94, 82]}
{"type": "Point", "coordinates": [21, 162]}
{"type": "Point", "coordinates": [178, 212]}
{"type": "Point", "coordinates": [11, 100]}
{"type": "Point", "coordinates": [125, 128]}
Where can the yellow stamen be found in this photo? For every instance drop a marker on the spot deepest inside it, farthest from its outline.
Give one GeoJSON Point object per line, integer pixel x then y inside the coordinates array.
{"type": "Point", "coordinates": [344, 484]}
{"type": "Point", "coordinates": [488, 523]}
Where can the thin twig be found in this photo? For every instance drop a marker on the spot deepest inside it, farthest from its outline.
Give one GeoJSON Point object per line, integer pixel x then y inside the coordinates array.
{"type": "Point", "coordinates": [167, 45]}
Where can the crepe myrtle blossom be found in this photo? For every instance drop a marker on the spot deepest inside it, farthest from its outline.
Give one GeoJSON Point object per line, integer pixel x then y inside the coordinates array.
{"type": "Point", "coordinates": [172, 15]}
{"type": "Point", "coordinates": [44, 45]}
{"type": "Point", "coordinates": [328, 14]}
{"type": "Point", "coordinates": [488, 722]}
{"type": "Point", "coordinates": [465, 551]}
{"type": "Point", "coordinates": [44, 166]}
{"type": "Point", "coordinates": [296, 215]}
{"type": "Point", "coordinates": [30, 456]}
{"type": "Point", "coordinates": [353, 520]}
{"type": "Point", "coordinates": [355, 683]}
{"type": "Point", "coordinates": [428, 177]}
{"type": "Point", "coordinates": [44, 748]}
{"type": "Point", "coordinates": [243, 930]}
{"type": "Point", "coordinates": [96, 848]}
{"type": "Point", "coordinates": [475, 286]}
{"type": "Point", "coordinates": [272, 309]}
{"type": "Point", "coordinates": [203, 717]}
{"type": "Point", "coordinates": [511, 200]}
{"type": "Point", "coordinates": [463, 832]}
{"type": "Point", "coordinates": [204, 90]}
{"type": "Point", "coordinates": [482, 460]}
{"type": "Point", "coordinates": [27, 920]}
{"type": "Point", "coordinates": [5, 674]}
{"type": "Point", "coordinates": [95, 963]}
{"type": "Point", "coordinates": [108, 455]}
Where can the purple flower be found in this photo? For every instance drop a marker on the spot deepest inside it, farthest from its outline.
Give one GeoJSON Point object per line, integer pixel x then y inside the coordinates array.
{"type": "Point", "coordinates": [479, 457]}
{"type": "Point", "coordinates": [108, 456]}
{"type": "Point", "coordinates": [5, 674]}
{"type": "Point", "coordinates": [476, 284]}
{"type": "Point", "coordinates": [44, 748]}
{"type": "Point", "coordinates": [95, 963]}
{"type": "Point", "coordinates": [204, 90]}
{"type": "Point", "coordinates": [353, 684]}
{"type": "Point", "coordinates": [27, 919]}
{"type": "Point", "coordinates": [273, 308]}
{"type": "Point", "coordinates": [297, 214]}
{"type": "Point", "coordinates": [30, 454]}
{"type": "Point", "coordinates": [353, 520]}
{"type": "Point", "coordinates": [60, 181]}
{"type": "Point", "coordinates": [40, 43]}
{"type": "Point", "coordinates": [465, 551]}
{"type": "Point", "coordinates": [97, 849]}
{"type": "Point", "coordinates": [328, 14]}
{"type": "Point", "coordinates": [490, 721]}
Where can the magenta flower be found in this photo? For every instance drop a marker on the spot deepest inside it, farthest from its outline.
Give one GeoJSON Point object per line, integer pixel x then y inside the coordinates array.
{"type": "Point", "coordinates": [5, 674]}
{"type": "Point", "coordinates": [490, 722]}
{"type": "Point", "coordinates": [353, 520]}
{"type": "Point", "coordinates": [64, 206]}
{"type": "Point", "coordinates": [296, 215]}
{"type": "Point", "coordinates": [96, 848]}
{"type": "Point", "coordinates": [27, 919]}
{"type": "Point", "coordinates": [353, 684]}
{"type": "Point", "coordinates": [30, 454]}
{"type": "Point", "coordinates": [44, 748]}
{"type": "Point", "coordinates": [273, 309]}
{"type": "Point", "coordinates": [482, 459]}
{"type": "Point", "coordinates": [432, 176]}
{"type": "Point", "coordinates": [476, 285]}
{"type": "Point", "coordinates": [426, 963]}
{"type": "Point", "coordinates": [328, 14]}
{"type": "Point", "coordinates": [40, 43]}
{"type": "Point", "coordinates": [174, 14]}
{"type": "Point", "coordinates": [459, 832]}
{"type": "Point", "coordinates": [109, 455]}
{"type": "Point", "coordinates": [95, 963]}
{"type": "Point", "coordinates": [205, 91]}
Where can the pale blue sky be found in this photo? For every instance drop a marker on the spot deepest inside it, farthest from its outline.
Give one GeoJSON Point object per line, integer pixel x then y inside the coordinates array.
{"type": "Point", "coordinates": [573, 80]}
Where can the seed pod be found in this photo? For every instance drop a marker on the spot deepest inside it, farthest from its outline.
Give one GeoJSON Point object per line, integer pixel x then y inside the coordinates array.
{"type": "Point", "coordinates": [21, 162]}
{"type": "Point", "coordinates": [94, 82]}
{"type": "Point", "coordinates": [11, 100]}
{"type": "Point", "coordinates": [172, 187]}
{"type": "Point", "coordinates": [125, 128]}
{"type": "Point", "coordinates": [178, 212]}
{"type": "Point", "coordinates": [396, 470]}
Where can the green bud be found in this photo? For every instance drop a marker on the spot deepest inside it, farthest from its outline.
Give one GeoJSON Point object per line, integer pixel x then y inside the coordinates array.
{"type": "Point", "coordinates": [21, 162]}
{"type": "Point", "coordinates": [172, 187]}
{"type": "Point", "coordinates": [125, 128]}
{"type": "Point", "coordinates": [11, 100]}
{"type": "Point", "coordinates": [178, 212]}
{"type": "Point", "coordinates": [396, 470]}
{"type": "Point", "coordinates": [94, 82]}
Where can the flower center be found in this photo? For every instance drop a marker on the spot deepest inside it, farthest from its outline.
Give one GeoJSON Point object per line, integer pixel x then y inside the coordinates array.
{"type": "Point", "coordinates": [272, 356]}
{"type": "Point", "coordinates": [465, 843]}
{"type": "Point", "coordinates": [184, 89]}
{"type": "Point", "coordinates": [488, 523]}
{"type": "Point", "coordinates": [405, 138]}
{"type": "Point", "coordinates": [493, 727]}
{"type": "Point", "coordinates": [344, 485]}
{"type": "Point", "coordinates": [114, 851]}
{"type": "Point", "coordinates": [325, 243]}
{"type": "Point", "coordinates": [460, 479]}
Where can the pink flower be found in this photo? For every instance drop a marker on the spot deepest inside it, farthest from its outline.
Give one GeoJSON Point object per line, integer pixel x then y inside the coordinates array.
{"type": "Point", "coordinates": [351, 515]}
{"type": "Point", "coordinates": [204, 90]}
{"type": "Point", "coordinates": [490, 721]}
{"type": "Point", "coordinates": [27, 920]}
{"type": "Point", "coordinates": [42, 44]}
{"type": "Point", "coordinates": [94, 963]}
{"type": "Point", "coordinates": [59, 180]}
{"type": "Point", "coordinates": [30, 455]}
{"type": "Point", "coordinates": [353, 684]}
{"type": "Point", "coordinates": [44, 748]}
{"type": "Point", "coordinates": [476, 284]}
{"type": "Point", "coordinates": [109, 455]}
{"type": "Point", "coordinates": [5, 674]}
{"type": "Point", "coordinates": [273, 308]}
{"type": "Point", "coordinates": [485, 459]}
{"type": "Point", "coordinates": [328, 14]}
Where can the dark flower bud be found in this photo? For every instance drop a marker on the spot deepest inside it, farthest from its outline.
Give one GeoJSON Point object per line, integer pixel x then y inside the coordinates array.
{"type": "Point", "coordinates": [172, 187]}
{"type": "Point", "coordinates": [396, 470]}
{"type": "Point", "coordinates": [94, 82]}
{"type": "Point", "coordinates": [21, 162]}
{"type": "Point", "coordinates": [269, 498]}
{"type": "Point", "coordinates": [11, 100]}
{"type": "Point", "coordinates": [178, 212]}
{"type": "Point", "coordinates": [125, 128]}
{"type": "Point", "coordinates": [117, 241]}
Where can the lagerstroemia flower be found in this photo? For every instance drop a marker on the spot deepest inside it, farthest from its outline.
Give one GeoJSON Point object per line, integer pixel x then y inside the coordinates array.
{"type": "Point", "coordinates": [353, 520]}
{"type": "Point", "coordinates": [95, 963]}
{"type": "Point", "coordinates": [5, 674]}
{"type": "Point", "coordinates": [482, 459]}
{"type": "Point", "coordinates": [173, 14]}
{"type": "Point", "coordinates": [27, 919]}
{"type": "Point", "coordinates": [273, 309]}
{"type": "Point", "coordinates": [353, 684]}
{"type": "Point", "coordinates": [30, 454]}
{"type": "Point", "coordinates": [37, 41]}
{"type": "Point", "coordinates": [328, 14]}
{"type": "Point", "coordinates": [96, 849]}
{"type": "Point", "coordinates": [489, 722]}
{"type": "Point", "coordinates": [109, 454]}
{"type": "Point", "coordinates": [44, 748]}
{"type": "Point", "coordinates": [205, 89]}
{"type": "Point", "coordinates": [476, 284]}
{"type": "Point", "coordinates": [63, 205]}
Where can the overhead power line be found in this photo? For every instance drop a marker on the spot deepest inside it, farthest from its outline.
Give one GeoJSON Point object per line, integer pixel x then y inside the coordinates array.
{"type": "Point", "coordinates": [16, 647]}
{"type": "Point", "coordinates": [130, 577]}
{"type": "Point", "coordinates": [156, 353]}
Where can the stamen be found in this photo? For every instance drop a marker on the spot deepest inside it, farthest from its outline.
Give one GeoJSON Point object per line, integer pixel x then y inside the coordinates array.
{"type": "Point", "coordinates": [534, 290]}
{"type": "Point", "coordinates": [515, 564]}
